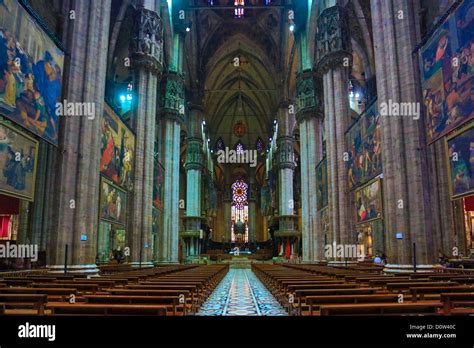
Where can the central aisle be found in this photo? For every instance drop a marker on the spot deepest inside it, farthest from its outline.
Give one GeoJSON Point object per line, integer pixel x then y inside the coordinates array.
{"type": "Point", "coordinates": [241, 293]}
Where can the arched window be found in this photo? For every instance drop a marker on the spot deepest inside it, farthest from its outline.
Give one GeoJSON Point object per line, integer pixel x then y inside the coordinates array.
{"type": "Point", "coordinates": [239, 8]}
{"type": "Point", "coordinates": [259, 144]}
{"type": "Point", "coordinates": [219, 145]}
{"type": "Point", "coordinates": [239, 147]}
{"type": "Point", "coordinates": [240, 210]}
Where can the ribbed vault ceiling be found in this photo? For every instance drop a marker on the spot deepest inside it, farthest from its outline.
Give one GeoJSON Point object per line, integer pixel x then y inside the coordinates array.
{"type": "Point", "coordinates": [246, 93]}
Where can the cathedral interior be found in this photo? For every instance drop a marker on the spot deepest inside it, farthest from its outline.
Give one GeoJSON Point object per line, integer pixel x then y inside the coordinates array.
{"type": "Point", "coordinates": [253, 149]}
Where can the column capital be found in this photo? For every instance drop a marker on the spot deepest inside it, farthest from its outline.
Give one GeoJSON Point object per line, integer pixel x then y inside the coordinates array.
{"type": "Point", "coordinates": [333, 44]}
{"type": "Point", "coordinates": [286, 154]}
{"type": "Point", "coordinates": [172, 97]}
{"type": "Point", "coordinates": [309, 92]}
{"type": "Point", "coordinates": [147, 42]}
{"type": "Point", "coordinates": [194, 158]}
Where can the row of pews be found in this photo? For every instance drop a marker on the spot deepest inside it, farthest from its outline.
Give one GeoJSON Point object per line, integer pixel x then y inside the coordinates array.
{"type": "Point", "coordinates": [176, 290]}
{"type": "Point", "coordinates": [322, 290]}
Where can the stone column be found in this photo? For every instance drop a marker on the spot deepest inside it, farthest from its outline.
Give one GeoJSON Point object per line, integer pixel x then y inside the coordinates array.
{"type": "Point", "coordinates": [442, 206]}
{"type": "Point", "coordinates": [227, 218]}
{"type": "Point", "coordinates": [76, 201]}
{"type": "Point", "coordinates": [286, 166]}
{"type": "Point", "coordinates": [38, 207]}
{"type": "Point", "coordinates": [309, 115]}
{"type": "Point", "coordinates": [333, 61]}
{"type": "Point", "coordinates": [405, 184]}
{"type": "Point", "coordinates": [194, 166]}
{"type": "Point", "coordinates": [147, 62]}
{"type": "Point", "coordinates": [172, 114]}
{"type": "Point", "coordinates": [252, 224]}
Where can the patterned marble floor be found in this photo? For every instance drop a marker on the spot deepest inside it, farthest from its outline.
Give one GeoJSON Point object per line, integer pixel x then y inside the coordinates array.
{"type": "Point", "coordinates": [240, 293]}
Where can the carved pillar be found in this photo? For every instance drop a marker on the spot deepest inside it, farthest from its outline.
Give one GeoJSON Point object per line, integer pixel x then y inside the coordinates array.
{"type": "Point", "coordinates": [333, 61]}
{"type": "Point", "coordinates": [309, 116]}
{"type": "Point", "coordinates": [406, 189]}
{"type": "Point", "coordinates": [172, 113]}
{"type": "Point", "coordinates": [194, 166]}
{"type": "Point", "coordinates": [286, 166]}
{"type": "Point", "coordinates": [75, 206]}
{"type": "Point", "coordinates": [252, 224]}
{"type": "Point", "coordinates": [146, 49]}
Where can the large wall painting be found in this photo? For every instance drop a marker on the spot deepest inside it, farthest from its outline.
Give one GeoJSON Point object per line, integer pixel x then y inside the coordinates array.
{"type": "Point", "coordinates": [364, 140]}
{"type": "Point", "coordinates": [447, 63]}
{"type": "Point", "coordinates": [31, 68]}
{"type": "Point", "coordinates": [368, 201]}
{"type": "Point", "coordinates": [117, 150]}
{"type": "Point", "coordinates": [322, 184]}
{"type": "Point", "coordinates": [461, 161]}
{"type": "Point", "coordinates": [113, 202]}
{"type": "Point", "coordinates": [18, 160]}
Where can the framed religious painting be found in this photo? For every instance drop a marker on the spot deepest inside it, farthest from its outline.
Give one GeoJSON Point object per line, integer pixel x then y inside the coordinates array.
{"type": "Point", "coordinates": [460, 157]}
{"type": "Point", "coordinates": [447, 74]}
{"type": "Point", "coordinates": [368, 200]}
{"type": "Point", "coordinates": [113, 202]}
{"type": "Point", "coordinates": [18, 161]}
{"type": "Point", "coordinates": [31, 72]}
{"type": "Point", "coordinates": [117, 152]}
{"type": "Point", "coordinates": [364, 141]}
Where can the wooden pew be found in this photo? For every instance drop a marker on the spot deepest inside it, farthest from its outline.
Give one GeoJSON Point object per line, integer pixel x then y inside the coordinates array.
{"type": "Point", "coordinates": [36, 301]}
{"type": "Point", "coordinates": [414, 308]}
{"type": "Point", "coordinates": [422, 290]}
{"type": "Point", "coordinates": [317, 301]}
{"type": "Point", "coordinates": [172, 301]}
{"type": "Point", "coordinates": [451, 300]}
{"type": "Point", "coordinates": [88, 287]}
{"type": "Point", "coordinates": [301, 294]}
{"type": "Point", "coordinates": [106, 309]}
{"type": "Point", "coordinates": [51, 292]}
{"type": "Point", "coordinates": [156, 292]}
{"type": "Point", "coordinates": [18, 282]}
{"type": "Point", "coordinates": [407, 285]}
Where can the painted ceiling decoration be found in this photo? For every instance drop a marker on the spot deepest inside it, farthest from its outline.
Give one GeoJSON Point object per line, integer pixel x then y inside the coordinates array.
{"type": "Point", "coordinates": [240, 129]}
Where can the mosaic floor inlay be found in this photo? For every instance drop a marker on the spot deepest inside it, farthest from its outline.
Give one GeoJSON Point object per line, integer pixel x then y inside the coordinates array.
{"type": "Point", "coordinates": [241, 293]}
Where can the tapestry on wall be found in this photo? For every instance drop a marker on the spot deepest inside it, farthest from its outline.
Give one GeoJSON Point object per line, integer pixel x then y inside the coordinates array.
{"type": "Point", "coordinates": [447, 63]}
{"type": "Point", "coordinates": [117, 150]}
{"type": "Point", "coordinates": [18, 159]}
{"type": "Point", "coordinates": [31, 68]}
{"type": "Point", "coordinates": [364, 141]}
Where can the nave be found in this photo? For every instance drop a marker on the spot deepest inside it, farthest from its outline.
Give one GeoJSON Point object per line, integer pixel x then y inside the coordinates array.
{"type": "Point", "coordinates": [241, 293]}
{"type": "Point", "coordinates": [265, 289]}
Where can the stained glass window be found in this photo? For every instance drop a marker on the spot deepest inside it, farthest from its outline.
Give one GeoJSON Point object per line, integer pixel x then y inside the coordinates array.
{"type": "Point", "coordinates": [239, 8]}
{"type": "Point", "coordinates": [240, 210]}
{"type": "Point", "coordinates": [219, 145]}
{"type": "Point", "coordinates": [239, 147]}
{"type": "Point", "coordinates": [259, 144]}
